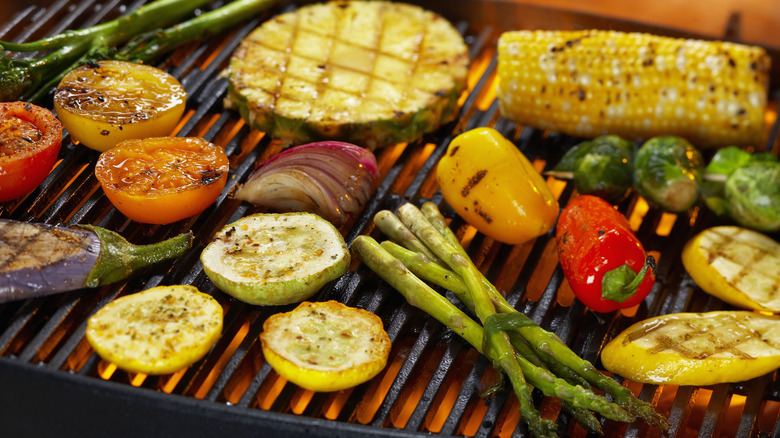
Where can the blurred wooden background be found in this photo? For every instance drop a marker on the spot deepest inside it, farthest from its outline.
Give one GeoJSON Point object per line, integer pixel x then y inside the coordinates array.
{"type": "Point", "coordinates": [759, 20]}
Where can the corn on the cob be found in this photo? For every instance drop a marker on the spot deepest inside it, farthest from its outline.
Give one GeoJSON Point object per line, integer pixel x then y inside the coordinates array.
{"type": "Point", "coordinates": [368, 72]}
{"type": "Point", "coordinates": [589, 83]}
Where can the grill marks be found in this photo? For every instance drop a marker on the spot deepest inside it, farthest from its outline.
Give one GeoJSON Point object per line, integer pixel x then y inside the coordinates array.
{"type": "Point", "coordinates": [701, 338]}
{"type": "Point", "coordinates": [746, 263]}
{"type": "Point", "coordinates": [27, 246]}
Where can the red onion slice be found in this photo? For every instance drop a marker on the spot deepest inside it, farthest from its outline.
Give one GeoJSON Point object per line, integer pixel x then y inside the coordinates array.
{"type": "Point", "coordinates": [332, 179]}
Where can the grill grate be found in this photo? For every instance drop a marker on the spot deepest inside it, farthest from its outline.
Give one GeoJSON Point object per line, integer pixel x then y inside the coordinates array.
{"type": "Point", "coordinates": [433, 379]}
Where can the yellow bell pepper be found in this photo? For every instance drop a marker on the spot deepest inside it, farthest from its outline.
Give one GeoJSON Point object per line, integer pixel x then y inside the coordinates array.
{"type": "Point", "coordinates": [494, 187]}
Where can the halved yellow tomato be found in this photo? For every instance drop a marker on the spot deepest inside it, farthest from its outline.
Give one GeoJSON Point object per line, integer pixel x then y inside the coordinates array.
{"type": "Point", "coordinates": [103, 103]}
{"type": "Point", "coordinates": [325, 346]}
{"type": "Point", "coordinates": [164, 179]}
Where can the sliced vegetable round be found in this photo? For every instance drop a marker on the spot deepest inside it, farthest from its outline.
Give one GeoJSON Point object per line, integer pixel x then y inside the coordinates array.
{"type": "Point", "coordinates": [30, 140]}
{"type": "Point", "coordinates": [372, 73]}
{"type": "Point", "coordinates": [325, 346]}
{"type": "Point", "coordinates": [157, 331]}
{"type": "Point", "coordinates": [103, 103]}
{"type": "Point", "coordinates": [275, 258]}
{"type": "Point", "coordinates": [737, 265]}
{"type": "Point", "coordinates": [331, 179]}
{"type": "Point", "coordinates": [162, 180]}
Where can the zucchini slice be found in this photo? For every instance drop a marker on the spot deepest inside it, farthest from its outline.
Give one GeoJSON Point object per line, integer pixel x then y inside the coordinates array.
{"type": "Point", "coordinates": [325, 346]}
{"type": "Point", "coordinates": [157, 331]}
{"type": "Point", "coordinates": [372, 73]}
{"type": "Point", "coordinates": [275, 258]}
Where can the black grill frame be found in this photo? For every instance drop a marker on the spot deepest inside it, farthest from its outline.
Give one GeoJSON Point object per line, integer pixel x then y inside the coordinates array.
{"type": "Point", "coordinates": [41, 397]}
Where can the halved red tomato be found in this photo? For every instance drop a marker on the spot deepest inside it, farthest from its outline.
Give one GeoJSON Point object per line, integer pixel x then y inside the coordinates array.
{"type": "Point", "coordinates": [30, 140]}
{"type": "Point", "coordinates": [162, 180]}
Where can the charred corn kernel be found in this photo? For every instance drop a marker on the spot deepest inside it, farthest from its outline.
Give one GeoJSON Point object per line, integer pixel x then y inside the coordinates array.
{"type": "Point", "coordinates": [589, 83]}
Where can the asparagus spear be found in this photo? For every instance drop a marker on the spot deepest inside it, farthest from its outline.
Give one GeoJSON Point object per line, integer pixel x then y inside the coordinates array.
{"type": "Point", "coordinates": [30, 79]}
{"type": "Point", "coordinates": [550, 347]}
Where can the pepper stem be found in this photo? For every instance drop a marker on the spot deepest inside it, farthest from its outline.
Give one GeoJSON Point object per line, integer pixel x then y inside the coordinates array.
{"type": "Point", "coordinates": [119, 258]}
{"type": "Point", "coordinates": [621, 283]}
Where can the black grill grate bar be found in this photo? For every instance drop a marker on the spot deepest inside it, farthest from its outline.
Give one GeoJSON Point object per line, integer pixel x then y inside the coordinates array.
{"type": "Point", "coordinates": [425, 337]}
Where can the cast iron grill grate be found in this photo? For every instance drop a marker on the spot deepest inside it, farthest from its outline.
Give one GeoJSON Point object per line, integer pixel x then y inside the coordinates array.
{"type": "Point", "coordinates": [433, 380]}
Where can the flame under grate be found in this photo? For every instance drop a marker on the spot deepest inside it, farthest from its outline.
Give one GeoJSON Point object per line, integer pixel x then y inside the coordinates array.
{"type": "Point", "coordinates": [433, 380]}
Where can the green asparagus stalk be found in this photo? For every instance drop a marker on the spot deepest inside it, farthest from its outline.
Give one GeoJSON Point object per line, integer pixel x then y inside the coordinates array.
{"type": "Point", "coordinates": [550, 347]}
{"type": "Point", "coordinates": [389, 224]}
{"type": "Point", "coordinates": [422, 267]}
{"type": "Point", "coordinates": [420, 295]}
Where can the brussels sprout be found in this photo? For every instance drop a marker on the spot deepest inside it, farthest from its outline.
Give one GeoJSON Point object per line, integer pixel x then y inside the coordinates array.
{"type": "Point", "coordinates": [724, 163]}
{"type": "Point", "coordinates": [753, 195]}
{"type": "Point", "coordinates": [667, 173]}
{"type": "Point", "coordinates": [601, 167]}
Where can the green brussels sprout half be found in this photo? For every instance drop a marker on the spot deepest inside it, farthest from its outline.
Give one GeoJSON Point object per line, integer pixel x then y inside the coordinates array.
{"type": "Point", "coordinates": [753, 195]}
{"type": "Point", "coordinates": [602, 167]}
{"type": "Point", "coordinates": [667, 173]}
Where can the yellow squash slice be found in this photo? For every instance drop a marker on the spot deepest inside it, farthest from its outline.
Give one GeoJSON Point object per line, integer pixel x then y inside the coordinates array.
{"type": "Point", "coordinates": [325, 346]}
{"type": "Point", "coordinates": [157, 331]}
{"type": "Point", "coordinates": [737, 265]}
{"type": "Point", "coordinates": [696, 348]}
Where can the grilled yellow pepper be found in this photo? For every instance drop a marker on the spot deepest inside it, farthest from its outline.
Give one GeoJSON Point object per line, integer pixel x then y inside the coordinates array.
{"type": "Point", "coordinates": [494, 187]}
{"type": "Point", "coordinates": [696, 348]}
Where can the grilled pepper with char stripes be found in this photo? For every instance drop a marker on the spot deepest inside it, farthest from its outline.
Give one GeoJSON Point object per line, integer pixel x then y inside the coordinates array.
{"type": "Point", "coordinates": [602, 259]}
{"type": "Point", "coordinates": [494, 187]}
{"type": "Point", "coordinates": [589, 83]}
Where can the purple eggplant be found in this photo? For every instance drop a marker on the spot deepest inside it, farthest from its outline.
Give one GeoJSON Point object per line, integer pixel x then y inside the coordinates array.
{"type": "Point", "coordinates": [41, 259]}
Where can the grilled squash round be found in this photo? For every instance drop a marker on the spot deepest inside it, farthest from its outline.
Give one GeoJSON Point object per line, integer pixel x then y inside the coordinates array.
{"type": "Point", "coordinates": [369, 73]}
{"type": "Point", "coordinates": [325, 346]}
{"type": "Point", "coordinates": [157, 331]}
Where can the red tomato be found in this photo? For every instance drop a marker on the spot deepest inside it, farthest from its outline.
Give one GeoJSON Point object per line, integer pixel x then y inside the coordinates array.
{"type": "Point", "coordinates": [163, 179]}
{"type": "Point", "coordinates": [605, 263]}
{"type": "Point", "coordinates": [30, 140]}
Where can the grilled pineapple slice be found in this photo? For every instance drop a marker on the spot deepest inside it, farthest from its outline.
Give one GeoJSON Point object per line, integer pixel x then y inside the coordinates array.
{"type": "Point", "coordinates": [696, 348]}
{"type": "Point", "coordinates": [737, 265]}
{"type": "Point", "coordinates": [370, 73]}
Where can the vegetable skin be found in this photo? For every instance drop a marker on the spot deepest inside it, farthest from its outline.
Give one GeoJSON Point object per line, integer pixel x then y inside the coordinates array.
{"type": "Point", "coordinates": [605, 264]}
{"type": "Point", "coordinates": [42, 259]}
{"type": "Point", "coordinates": [495, 188]}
